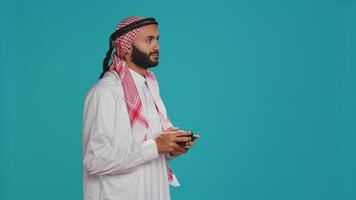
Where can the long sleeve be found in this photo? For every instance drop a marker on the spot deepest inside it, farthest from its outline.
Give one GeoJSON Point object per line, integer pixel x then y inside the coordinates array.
{"type": "Point", "coordinates": [101, 156]}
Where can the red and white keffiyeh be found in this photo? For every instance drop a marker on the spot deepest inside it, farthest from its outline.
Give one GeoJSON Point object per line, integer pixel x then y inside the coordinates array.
{"type": "Point", "coordinates": [132, 98]}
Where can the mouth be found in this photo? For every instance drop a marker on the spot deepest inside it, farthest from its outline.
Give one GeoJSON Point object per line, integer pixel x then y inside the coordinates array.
{"type": "Point", "coordinates": [155, 56]}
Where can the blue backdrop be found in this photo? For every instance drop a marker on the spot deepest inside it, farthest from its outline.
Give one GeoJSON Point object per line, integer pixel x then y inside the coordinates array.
{"type": "Point", "coordinates": [269, 85]}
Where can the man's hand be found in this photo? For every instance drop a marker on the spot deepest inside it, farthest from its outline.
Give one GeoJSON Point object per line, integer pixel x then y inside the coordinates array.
{"type": "Point", "coordinates": [167, 140]}
{"type": "Point", "coordinates": [183, 149]}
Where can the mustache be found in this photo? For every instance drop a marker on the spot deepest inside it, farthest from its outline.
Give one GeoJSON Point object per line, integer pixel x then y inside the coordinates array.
{"type": "Point", "coordinates": [154, 53]}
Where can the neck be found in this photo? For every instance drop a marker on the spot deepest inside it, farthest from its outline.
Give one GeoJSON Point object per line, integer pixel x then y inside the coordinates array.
{"type": "Point", "coordinates": [136, 68]}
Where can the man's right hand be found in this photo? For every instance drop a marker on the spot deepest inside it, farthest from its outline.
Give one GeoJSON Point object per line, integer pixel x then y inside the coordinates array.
{"type": "Point", "coordinates": [167, 140]}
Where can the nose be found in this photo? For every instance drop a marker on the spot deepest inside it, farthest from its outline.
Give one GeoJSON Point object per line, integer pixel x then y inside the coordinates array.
{"type": "Point", "coordinates": [156, 47]}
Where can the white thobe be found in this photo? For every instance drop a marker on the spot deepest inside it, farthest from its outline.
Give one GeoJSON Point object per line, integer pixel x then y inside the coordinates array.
{"type": "Point", "coordinates": [115, 166]}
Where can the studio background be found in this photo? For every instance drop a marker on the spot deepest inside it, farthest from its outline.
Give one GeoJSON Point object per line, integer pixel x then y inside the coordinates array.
{"type": "Point", "coordinates": [269, 86]}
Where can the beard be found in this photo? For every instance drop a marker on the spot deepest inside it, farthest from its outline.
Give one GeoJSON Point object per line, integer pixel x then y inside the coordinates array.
{"type": "Point", "coordinates": [142, 59]}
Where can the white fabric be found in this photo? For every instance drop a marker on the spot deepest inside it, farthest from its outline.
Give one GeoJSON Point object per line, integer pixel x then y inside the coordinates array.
{"type": "Point", "coordinates": [117, 165]}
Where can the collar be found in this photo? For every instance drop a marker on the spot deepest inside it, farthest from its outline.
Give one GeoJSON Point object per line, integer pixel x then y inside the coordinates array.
{"type": "Point", "coordinates": [138, 79]}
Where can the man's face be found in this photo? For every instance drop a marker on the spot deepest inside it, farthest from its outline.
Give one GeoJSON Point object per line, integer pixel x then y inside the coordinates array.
{"type": "Point", "coordinates": [145, 48]}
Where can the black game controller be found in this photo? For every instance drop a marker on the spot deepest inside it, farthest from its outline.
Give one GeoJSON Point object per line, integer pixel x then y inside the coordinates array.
{"type": "Point", "coordinates": [192, 138]}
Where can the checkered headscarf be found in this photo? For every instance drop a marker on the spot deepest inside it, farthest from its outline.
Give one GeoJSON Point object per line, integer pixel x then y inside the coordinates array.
{"type": "Point", "coordinates": [122, 44]}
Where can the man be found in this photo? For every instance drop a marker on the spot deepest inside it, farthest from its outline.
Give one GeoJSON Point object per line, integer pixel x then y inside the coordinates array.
{"type": "Point", "coordinates": [127, 135]}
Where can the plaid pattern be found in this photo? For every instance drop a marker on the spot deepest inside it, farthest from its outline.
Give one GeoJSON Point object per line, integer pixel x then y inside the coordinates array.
{"type": "Point", "coordinates": [122, 44]}
{"type": "Point", "coordinates": [133, 101]}
{"type": "Point", "coordinates": [132, 98]}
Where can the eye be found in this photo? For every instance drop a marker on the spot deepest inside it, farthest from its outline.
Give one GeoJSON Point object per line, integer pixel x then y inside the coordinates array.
{"type": "Point", "coordinates": [149, 40]}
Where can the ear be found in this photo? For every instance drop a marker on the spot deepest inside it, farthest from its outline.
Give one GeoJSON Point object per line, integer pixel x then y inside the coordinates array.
{"type": "Point", "coordinates": [127, 55]}
{"type": "Point", "coordinates": [129, 50]}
